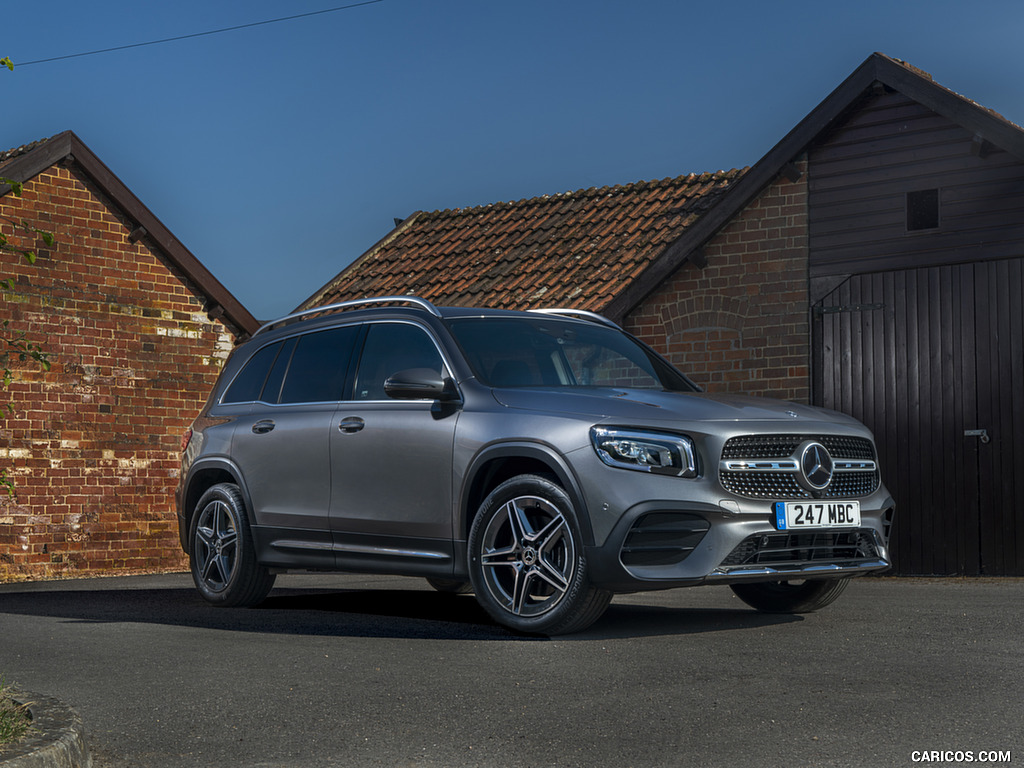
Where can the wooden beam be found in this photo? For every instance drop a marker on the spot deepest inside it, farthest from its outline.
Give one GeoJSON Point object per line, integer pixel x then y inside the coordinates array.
{"type": "Point", "coordinates": [791, 173]}
{"type": "Point", "coordinates": [980, 147]}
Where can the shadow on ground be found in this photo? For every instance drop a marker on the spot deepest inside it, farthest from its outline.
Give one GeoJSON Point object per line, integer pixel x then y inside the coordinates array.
{"type": "Point", "coordinates": [415, 614]}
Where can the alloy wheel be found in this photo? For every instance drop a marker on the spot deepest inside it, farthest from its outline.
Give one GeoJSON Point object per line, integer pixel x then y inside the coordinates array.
{"type": "Point", "coordinates": [528, 556]}
{"type": "Point", "coordinates": [216, 545]}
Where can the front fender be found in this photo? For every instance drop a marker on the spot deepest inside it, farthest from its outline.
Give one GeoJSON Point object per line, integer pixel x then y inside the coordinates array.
{"type": "Point", "coordinates": [499, 460]}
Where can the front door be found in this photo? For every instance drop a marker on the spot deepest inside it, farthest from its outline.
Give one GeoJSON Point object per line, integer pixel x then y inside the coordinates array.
{"type": "Point", "coordinates": [391, 460]}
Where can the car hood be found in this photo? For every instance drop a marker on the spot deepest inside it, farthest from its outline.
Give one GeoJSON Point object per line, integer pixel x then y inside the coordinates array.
{"type": "Point", "coordinates": [645, 405]}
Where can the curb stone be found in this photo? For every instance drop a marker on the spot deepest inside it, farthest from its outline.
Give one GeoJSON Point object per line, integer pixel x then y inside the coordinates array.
{"type": "Point", "coordinates": [57, 739]}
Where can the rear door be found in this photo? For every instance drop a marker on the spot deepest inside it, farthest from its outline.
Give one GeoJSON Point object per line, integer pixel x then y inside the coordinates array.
{"type": "Point", "coordinates": [283, 444]}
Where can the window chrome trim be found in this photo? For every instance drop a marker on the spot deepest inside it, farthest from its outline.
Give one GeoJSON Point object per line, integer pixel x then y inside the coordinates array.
{"type": "Point", "coordinates": [357, 353]}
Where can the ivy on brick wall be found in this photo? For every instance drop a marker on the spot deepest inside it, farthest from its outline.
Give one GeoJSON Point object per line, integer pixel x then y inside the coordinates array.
{"type": "Point", "coordinates": [14, 344]}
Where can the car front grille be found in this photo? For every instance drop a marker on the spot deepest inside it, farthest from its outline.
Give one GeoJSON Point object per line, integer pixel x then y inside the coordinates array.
{"type": "Point", "coordinates": [847, 546]}
{"type": "Point", "coordinates": [783, 446]}
{"type": "Point", "coordinates": [781, 482]}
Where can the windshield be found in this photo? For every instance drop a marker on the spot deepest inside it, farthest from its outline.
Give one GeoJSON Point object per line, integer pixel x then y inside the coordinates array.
{"type": "Point", "coordinates": [549, 352]}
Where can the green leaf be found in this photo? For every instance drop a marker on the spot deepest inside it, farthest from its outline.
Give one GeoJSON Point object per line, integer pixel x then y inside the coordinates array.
{"type": "Point", "coordinates": [14, 185]}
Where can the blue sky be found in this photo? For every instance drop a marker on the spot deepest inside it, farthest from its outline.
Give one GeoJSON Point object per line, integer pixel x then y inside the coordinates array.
{"type": "Point", "coordinates": [279, 153]}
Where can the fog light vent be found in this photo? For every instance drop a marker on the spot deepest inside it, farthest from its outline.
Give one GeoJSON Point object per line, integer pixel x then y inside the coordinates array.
{"type": "Point", "coordinates": [663, 538]}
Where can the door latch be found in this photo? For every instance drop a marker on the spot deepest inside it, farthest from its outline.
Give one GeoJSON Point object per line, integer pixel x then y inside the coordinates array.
{"type": "Point", "coordinates": [982, 434]}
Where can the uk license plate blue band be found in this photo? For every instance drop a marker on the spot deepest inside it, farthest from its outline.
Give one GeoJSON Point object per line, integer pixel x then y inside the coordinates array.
{"type": "Point", "coordinates": [804, 515]}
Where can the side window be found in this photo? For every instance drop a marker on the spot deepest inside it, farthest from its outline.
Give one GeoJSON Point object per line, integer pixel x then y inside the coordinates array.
{"type": "Point", "coordinates": [272, 389]}
{"type": "Point", "coordinates": [318, 366]}
{"type": "Point", "coordinates": [389, 348]}
{"type": "Point", "coordinates": [249, 382]}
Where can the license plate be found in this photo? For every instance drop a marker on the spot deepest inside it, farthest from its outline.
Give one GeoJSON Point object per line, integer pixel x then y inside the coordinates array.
{"type": "Point", "coordinates": [800, 515]}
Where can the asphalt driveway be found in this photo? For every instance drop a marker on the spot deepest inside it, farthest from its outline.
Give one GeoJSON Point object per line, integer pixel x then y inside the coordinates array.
{"type": "Point", "coordinates": [353, 670]}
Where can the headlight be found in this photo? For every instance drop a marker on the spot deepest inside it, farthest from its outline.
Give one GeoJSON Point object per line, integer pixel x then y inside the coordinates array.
{"type": "Point", "coordinates": [656, 452]}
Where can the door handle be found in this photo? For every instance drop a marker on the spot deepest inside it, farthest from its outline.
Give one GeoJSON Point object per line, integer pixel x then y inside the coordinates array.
{"type": "Point", "coordinates": [981, 434]}
{"type": "Point", "coordinates": [351, 424]}
{"type": "Point", "coordinates": [262, 427]}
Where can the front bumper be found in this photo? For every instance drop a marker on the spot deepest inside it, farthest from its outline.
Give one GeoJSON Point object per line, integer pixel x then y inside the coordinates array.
{"type": "Point", "coordinates": [660, 545]}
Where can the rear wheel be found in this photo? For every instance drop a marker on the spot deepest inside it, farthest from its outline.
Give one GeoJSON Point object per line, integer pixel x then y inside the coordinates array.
{"type": "Point", "coordinates": [223, 561]}
{"type": "Point", "coordinates": [526, 560]}
{"type": "Point", "coordinates": [790, 596]}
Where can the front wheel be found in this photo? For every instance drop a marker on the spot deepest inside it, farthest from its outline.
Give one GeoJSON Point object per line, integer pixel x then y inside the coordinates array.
{"type": "Point", "coordinates": [790, 596]}
{"type": "Point", "coordinates": [450, 586]}
{"type": "Point", "coordinates": [526, 560]}
{"type": "Point", "coordinates": [223, 561]}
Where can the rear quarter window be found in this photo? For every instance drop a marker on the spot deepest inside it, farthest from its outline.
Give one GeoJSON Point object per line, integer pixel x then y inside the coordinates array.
{"type": "Point", "coordinates": [249, 382]}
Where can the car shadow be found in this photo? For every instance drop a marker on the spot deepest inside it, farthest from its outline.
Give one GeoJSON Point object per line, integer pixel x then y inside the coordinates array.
{"type": "Point", "coordinates": [412, 614]}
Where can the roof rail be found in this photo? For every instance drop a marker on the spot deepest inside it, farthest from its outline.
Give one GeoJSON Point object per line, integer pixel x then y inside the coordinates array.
{"type": "Point", "coordinates": [421, 303]}
{"type": "Point", "coordinates": [580, 313]}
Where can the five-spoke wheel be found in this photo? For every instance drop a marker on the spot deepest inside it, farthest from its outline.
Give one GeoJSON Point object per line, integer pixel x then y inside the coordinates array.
{"type": "Point", "coordinates": [527, 562]}
{"type": "Point", "coordinates": [223, 562]}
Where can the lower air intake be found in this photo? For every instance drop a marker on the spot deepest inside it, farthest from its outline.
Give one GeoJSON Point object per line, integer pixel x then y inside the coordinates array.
{"type": "Point", "coordinates": [792, 548]}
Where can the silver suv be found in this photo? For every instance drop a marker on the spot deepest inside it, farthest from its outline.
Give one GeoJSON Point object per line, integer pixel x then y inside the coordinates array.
{"type": "Point", "coordinates": [543, 460]}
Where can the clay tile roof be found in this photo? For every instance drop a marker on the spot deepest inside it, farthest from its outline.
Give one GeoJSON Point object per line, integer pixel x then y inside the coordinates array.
{"type": "Point", "coordinates": [574, 249]}
{"type": "Point", "coordinates": [24, 149]}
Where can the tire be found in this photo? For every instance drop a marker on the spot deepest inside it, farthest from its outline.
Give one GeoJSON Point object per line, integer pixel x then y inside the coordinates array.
{"type": "Point", "coordinates": [223, 561]}
{"type": "Point", "coordinates": [527, 563]}
{"type": "Point", "coordinates": [450, 586]}
{"type": "Point", "coordinates": [790, 597]}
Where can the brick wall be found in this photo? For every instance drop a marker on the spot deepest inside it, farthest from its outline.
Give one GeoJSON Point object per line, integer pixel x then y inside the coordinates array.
{"type": "Point", "coordinates": [93, 444]}
{"type": "Point", "coordinates": [741, 324]}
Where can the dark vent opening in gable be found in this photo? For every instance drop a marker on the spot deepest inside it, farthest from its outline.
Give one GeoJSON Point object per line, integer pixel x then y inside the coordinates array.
{"type": "Point", "coordinates": [922, 210]}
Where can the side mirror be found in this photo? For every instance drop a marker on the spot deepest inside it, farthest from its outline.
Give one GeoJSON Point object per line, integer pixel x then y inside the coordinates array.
{"type": "Point", "coordinates": [420, 384]}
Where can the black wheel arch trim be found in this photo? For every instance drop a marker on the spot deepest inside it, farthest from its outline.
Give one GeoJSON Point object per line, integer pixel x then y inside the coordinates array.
{"type": "Point", "coordinates": [536, 451]}
{"type": "Point", "coordinates": [212, 463]}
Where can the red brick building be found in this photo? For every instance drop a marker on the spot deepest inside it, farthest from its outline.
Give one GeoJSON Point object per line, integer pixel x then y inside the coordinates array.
{"type": "Point", "coordinates": [137, 330]}
{"type": "Point", "coordinates": [870, 262]}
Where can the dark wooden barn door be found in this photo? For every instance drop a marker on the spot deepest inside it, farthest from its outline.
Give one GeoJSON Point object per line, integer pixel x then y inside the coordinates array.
{"type": "Point", "coordinates": [933, 361]}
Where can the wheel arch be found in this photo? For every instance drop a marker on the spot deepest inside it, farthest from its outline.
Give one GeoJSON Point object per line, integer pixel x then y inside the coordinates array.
{"type": "Point", "coordinates": [201, 477]}
{"type": "Point", "coordinates": [498, 463]}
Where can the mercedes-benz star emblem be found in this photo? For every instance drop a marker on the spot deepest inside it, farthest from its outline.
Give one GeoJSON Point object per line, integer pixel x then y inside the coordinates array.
{"type": "Point", "coordinates": [816, 465]}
